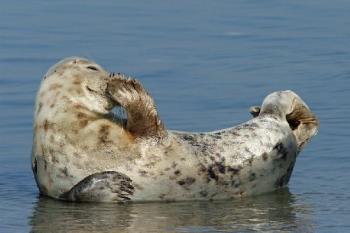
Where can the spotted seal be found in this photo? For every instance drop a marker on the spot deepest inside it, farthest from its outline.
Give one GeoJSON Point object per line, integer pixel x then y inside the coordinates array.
{"type": "Point", "coordinates": [83, 152]}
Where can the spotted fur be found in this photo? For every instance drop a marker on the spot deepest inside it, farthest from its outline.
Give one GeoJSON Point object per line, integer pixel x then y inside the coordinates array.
{"type": "Point", "coordinates": [82, 152]}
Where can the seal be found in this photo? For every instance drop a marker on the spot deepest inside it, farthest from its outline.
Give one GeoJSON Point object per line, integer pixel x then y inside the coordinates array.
{"type": "Point", "coordinates": [84, 152]}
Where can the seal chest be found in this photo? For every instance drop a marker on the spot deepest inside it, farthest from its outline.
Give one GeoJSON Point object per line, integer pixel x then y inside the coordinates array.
{"type": "Point", "coordinates": [83, 152]}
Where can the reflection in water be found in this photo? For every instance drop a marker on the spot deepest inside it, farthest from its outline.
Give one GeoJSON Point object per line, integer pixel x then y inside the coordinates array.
{"type": "Point", "coordinates": [279, 211]}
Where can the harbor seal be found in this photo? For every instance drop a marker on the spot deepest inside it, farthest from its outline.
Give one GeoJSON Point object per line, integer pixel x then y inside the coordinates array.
{"type": "Point", "coordinates": [83, 152]}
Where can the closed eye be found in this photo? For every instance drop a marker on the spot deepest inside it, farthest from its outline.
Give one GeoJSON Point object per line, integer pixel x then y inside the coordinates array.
{"type": "Point", "coordinates": [92, 68]}
{"type": "Point", "coordinates": [91, 90]}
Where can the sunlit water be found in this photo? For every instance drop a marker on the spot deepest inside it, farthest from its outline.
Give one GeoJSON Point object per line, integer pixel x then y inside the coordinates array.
{"type": "Point", "coordinates": [205, 63]}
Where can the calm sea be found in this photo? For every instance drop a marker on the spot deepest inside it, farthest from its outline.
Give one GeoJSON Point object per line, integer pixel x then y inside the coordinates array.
{"type": "Point", "coordinates": [205, 63]}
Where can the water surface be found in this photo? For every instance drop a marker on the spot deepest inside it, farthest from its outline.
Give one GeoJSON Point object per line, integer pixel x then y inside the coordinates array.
{"type": "Point", "coordinates": [205, 63]}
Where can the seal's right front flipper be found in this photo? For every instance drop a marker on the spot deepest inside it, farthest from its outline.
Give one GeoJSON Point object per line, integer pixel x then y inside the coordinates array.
{"type": "Point", "coordinates": [143, 119]}
{"type": "Point", "coordinates": [109, 186]}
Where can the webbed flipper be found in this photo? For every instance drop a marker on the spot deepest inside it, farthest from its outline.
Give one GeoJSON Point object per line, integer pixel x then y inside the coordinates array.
{"type": "Point", "coordinates": [143, 119]}
{"type": "Point", "coordinates": [108, 186]}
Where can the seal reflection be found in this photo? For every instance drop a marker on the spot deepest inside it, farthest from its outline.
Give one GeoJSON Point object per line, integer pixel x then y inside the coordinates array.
{"type": "Point", "coordinates": [276, 211]}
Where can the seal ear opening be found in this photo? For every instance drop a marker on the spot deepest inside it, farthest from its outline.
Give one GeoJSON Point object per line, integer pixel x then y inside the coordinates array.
{"type": "Point", "coordinates": [303, 123]}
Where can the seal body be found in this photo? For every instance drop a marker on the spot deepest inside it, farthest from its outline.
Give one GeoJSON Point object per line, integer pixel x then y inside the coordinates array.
{"type": "Point", "coordinates": [82, 152]}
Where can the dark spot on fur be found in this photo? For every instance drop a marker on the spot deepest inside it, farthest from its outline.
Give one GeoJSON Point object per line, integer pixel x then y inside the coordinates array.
{"type": "Point", "coordinates": [40, 105]}
{"type": "Point", "coordinates": [237, 184]}
{"type": "Point", "coordinates": [103, 133]}
{"type": "Point", "coordinates": [83, 123]}
{"type": "Point", "coordinates": [187, 137]}
{"type": "Point", "coordinates": [64, 171]}
{"type": "Point", "coordinates": [186, 182]}
{"type": "Point", "coordinates": [52, 105]}
{"type": "Point", "coordinates": [264, 156]}
{"type": "Point", "coordinates": [234, 170]}
{"type": "Point", "coordinates": [177, 172]}
{"type": "Point", "coordinates": [202, 169]}
{"type": "Point", "coordinates": [191, 140]}
{"type": "Point", "coordinates": [212, 174]}
{"type": "Point", "coordinates": [161, 196]}
{"type": "Point", "coordinates": [224, 182]}
{"type": "Point", "coordinates": [174, 164]}
{"type": "Point", "coordinates": [77, 82]}
{"type": "Point", "coordinates": [55, 160]}
{"type": "Point", "coordinates": [124, 197]}
{"type": "Point", "coordinates": [234, 133]}
{"type": "Point", "coordinates": [220, 167]}
{"type": "Point", "coordinates": [247, 150]}
{"type": "Point", "coordinates": [234, 182]}
{"type": "Point", "coordinates": [81, 115]}
{"type": "Point", "coordinates": [252, 176]}
{"type": "Point", "coordinates": [281, 150]}
{"type": "Point", "coordinates": [250, 161]}
{"type": "Point", "coordinates": [143, 172]}
{"type": "Point", "coordinates": [46, 125]}
{"type": "Point", "coordinates": [216, 136]}
{"type": "Point", "coordinates": [54, 86]}
{"type": "Point", "coordinates": [45, 164]}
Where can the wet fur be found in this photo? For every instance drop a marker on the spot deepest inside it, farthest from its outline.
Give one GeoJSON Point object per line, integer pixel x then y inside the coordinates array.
{"type": "Point", "coordinates": [77, 140]}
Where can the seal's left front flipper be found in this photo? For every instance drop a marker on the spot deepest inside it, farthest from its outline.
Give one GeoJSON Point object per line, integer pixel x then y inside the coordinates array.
{"type": "Point", "coordinates": [109, 186]}
{"type": "Point", "coordinates": [143, 119]}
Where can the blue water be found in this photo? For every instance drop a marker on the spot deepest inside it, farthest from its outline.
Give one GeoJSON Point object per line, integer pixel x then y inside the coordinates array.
{"type": "Point", "coordinates": [205, 63]}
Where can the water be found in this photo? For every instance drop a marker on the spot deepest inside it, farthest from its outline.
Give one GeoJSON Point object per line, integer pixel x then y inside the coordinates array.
{"type": "Point", "coordinates": [205, 63]}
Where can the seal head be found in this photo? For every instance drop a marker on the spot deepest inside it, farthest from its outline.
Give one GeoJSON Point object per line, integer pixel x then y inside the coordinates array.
{"type": "Point", "coordinates": [83, 82]}
{"type": "Point", "coordinates": [288, 106]}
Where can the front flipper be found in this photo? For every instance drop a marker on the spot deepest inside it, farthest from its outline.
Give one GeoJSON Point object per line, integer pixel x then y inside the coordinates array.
{"type": "Point", "coordinates": [108, 186]}
{"type": "Point", "coordinates": [143, 119]}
